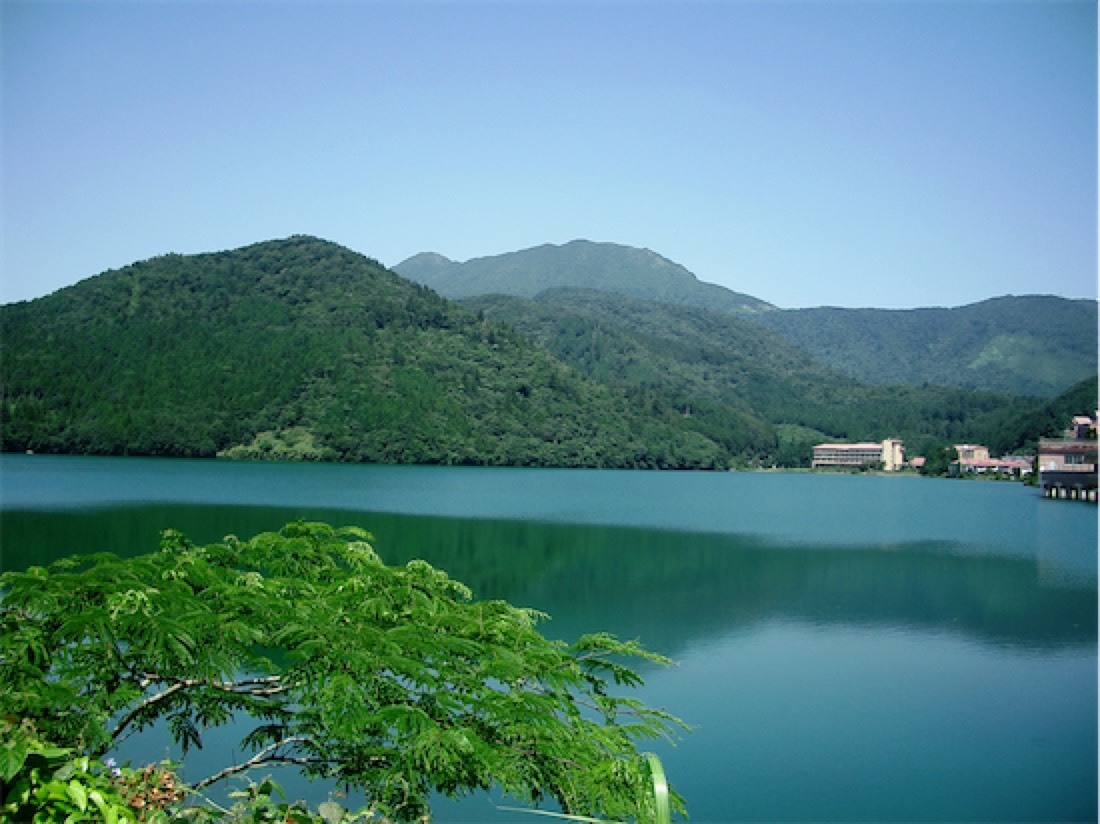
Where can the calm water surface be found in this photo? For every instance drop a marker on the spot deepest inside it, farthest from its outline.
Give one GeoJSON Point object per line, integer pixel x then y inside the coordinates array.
{"type": "Point", "coordinates": [848, 648]}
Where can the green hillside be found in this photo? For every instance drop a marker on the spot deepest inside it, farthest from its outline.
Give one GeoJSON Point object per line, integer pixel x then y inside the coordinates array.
{"type": "Point", "coordinates": [729, 373]}
{"type": "Point", "coordinates": [300, 348]}
{"type": "Point", "coordinates": [580, 263]}
{"type": "Point", "coordinates": [1036, 345]}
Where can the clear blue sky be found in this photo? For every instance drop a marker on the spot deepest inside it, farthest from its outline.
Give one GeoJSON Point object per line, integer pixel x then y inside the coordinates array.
{"type": "Point", "coordinates": [891, 154]}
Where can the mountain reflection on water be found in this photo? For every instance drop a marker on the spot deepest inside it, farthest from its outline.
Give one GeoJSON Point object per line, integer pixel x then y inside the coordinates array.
{"type": "Point", "coordinates": [668, 588]}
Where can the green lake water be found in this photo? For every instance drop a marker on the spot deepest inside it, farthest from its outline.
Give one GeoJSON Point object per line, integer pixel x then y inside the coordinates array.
{"type": "Point", "coordinates": [849, 648]}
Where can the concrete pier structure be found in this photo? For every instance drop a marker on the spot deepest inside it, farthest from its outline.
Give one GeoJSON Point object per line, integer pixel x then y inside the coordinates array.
{"type": "Point", "coordinates": [1068, 486]}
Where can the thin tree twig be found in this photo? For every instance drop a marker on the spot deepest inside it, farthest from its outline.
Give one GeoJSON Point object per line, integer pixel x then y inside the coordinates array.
{"type": "Point", "coordinates": [265, 756]}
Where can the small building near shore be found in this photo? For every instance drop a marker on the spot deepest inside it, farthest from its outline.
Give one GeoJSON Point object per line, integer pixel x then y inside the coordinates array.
{"type": "Point", "coordinates": [970, 452]}
{"type": "Point", "coordinates": [974, 459]}
{"type": "Point", "coordinates": [888, 455]}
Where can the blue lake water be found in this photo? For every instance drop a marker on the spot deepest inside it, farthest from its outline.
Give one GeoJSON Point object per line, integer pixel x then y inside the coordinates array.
{"type": "Point", "coordinates": [849, 648]}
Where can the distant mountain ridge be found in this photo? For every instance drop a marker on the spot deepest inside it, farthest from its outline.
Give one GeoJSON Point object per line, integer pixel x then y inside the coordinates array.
{"type": "Point", "coordinates": [580, 264]}
{"type": "Point", "coordinates": [1030, 345]}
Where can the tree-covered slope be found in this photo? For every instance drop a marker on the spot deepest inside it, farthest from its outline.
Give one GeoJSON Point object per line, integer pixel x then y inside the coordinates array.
{"type": "Point", "coordinates": [301, 348]}
{"type": "Point", "coordinates": [580, 263]}
{"type": "Point", "coordinates": [733, 371]}
{"type": "Point", "coordinates": [1047, 419]}
{"type": "Point", "coordinates": [1036, 345]}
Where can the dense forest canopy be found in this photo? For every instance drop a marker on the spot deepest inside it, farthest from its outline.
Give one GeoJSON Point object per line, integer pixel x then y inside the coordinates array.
{"type": "Point", "coordinates": [302, 349]}
{"type": "Point", "coordinates": [731, 371]}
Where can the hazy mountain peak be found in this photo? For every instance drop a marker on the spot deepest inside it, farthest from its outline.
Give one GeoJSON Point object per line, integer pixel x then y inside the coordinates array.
{"type": "Point", "coordinates": [610, 267]}
{"type": "Point", "coordinates": [428, 259]}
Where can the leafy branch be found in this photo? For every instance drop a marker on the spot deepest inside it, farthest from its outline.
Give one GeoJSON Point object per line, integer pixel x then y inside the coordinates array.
{"type": "Point", "coordinates": [393, 681]}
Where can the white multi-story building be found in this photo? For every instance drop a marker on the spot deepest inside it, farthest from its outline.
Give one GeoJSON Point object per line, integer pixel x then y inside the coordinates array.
{"type": "Point", "coordinates": [890, 455]}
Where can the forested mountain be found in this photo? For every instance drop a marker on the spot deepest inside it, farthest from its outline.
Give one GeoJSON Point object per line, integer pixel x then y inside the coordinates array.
{"type": "Point", "coordinates": [580, 263]}
{"type": "Point", "coordinates": [303, 349]}
{"type": "Point", "coordinates": [730, 375]}
{"type": "Point", "coordinates": [1037, 345]}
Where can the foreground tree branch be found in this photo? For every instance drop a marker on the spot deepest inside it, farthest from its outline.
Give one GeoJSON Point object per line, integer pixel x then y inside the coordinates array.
{"type": "Point", "coordinates": [391, 680]}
